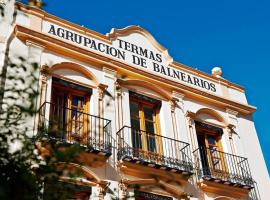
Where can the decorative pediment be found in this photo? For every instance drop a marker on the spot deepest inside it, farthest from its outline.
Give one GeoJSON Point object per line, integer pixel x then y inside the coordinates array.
{"type": "Point", "coordinates": [140, 37]}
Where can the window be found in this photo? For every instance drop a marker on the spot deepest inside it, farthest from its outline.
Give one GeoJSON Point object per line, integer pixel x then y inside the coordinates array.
{"type": "Point", "coordinates": [69, 110]}
{"type": "Point", "coordinates": [144, 122]}
{"type": "Point", "coordinates": [209, 141]}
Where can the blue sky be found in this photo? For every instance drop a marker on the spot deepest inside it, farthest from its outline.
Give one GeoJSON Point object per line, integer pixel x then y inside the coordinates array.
{"type": "Point", "coordinates": [202, 34]}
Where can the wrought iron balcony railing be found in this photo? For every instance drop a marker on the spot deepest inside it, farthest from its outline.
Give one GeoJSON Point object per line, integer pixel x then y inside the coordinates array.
{"type": "Point", "coordinates": [72, 126]}
{"type": "Point", "coordinates": [154, 150]}
{"type": "Point", "coordinates": [225, 168]}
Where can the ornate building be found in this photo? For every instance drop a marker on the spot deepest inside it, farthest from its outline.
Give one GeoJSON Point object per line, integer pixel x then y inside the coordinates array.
{"type": "Point", "coordinates": [149, 127]}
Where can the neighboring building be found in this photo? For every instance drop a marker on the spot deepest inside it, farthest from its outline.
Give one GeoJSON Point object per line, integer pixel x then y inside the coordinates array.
{"type": "Point", "coordinates": [151, 128]}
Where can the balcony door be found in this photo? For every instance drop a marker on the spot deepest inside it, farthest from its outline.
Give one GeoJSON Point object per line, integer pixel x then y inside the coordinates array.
{"type": "Point", "coordinates": [69, 108]}
{"type": "Point", "coordinates": [145, 125]}
{"type": "Point", "coordinates": [209, 141]}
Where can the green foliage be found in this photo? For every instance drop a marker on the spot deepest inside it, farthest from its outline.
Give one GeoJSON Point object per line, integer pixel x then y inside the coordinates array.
{"type": "Point", "coordinates": [18, 156]}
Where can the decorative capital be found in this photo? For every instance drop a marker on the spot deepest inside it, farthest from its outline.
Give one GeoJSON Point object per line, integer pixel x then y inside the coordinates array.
{"type": "Point", "coordinates": [189, 120]}
{"type": "Point", "coordinates": [122, 191]}
{"type": "Point", "coordinates": [101, 192]}
{"type": "Point", "coordinates": [45, 70]}
{"type": "Point", "coordinates": [101, 89]}
{"type": "Point", "coordinates": [173, 105]}
{"type": "Point", "coordinates": [100, 94]}
{"type": "Point", "coordinates": [117, 88]}
{"type": "Point", "coordinates": [230, 130]}
{"type": "Point", "coordinates": [190, 116]}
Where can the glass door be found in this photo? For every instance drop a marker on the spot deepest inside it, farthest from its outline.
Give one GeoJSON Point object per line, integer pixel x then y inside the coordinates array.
{"type": "Point", "coordinates": [212, 158]}
{"type": "Point", "coordinates": [58, 114]}
{"type": "Point", "coordinates": [69, 112]}
{"type": "Point", "coordinates": [144, 126]}
{"type": "Point", "coordinates": [77, 118]}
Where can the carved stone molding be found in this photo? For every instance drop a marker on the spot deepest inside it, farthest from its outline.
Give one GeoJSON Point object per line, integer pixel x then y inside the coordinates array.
{"type": "Point", "coordinates": [44, 70]}
{"type": "Point", "coordinates": [231, 112]}
{"type": "Point", "coordinates": [101, 192]}
{"type": "Point", "coordinates": [190, 116]}
{"type": "Point", "coordinates": [117, 88]}
{"type": "Point", "coordinates": [230, 130]}
{"type": "Point", "coordinates": [173, 105]}
{"type": "Point", "coordinates": [122, 191]}
{"type": "Point", "coordinates": [34, 44]}
{"type": "Point", "coordinates": [101, 91]}
{"type": "Point", "coordinates": [179, 99]}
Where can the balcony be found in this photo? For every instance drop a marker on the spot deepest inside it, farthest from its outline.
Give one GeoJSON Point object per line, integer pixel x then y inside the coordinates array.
{"type": "Point", "coordinates": [62, 125]}
{"type": "Point", "coordinates": [155, 151]}
{"type": "Point", "coordinates": [225, 168]}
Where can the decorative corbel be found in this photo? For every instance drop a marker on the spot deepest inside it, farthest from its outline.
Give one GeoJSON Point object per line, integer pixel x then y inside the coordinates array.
{"type": "Point", "coordinates": [230, 130]}
{"type": "Point", "coordinates": [122, 191]}
{"type": "Point", "coordinates": [45, 72]}
{"type": "Point", "coordinates": [173, 104]}
{"type": "Point", "coordinates": [190, 116]}
{"type": "Point", "coordinates": [178, 97]}
{"type": "Point", "coordinates": [101, 89]}
{"type": "Point", "coordinates": [101, 192]}
{"type": "Point", "coordinates": [117, 87]}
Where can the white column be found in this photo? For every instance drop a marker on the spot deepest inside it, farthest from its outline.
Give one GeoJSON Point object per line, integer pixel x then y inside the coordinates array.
{"type": "Point", "coordinates": [109, 78]}
{"type": "Point", "coordinates": [166, 120]}
{"type": "Point", "coordinates": [180, 117]}
{"type": "Point", "coordinates": [125, 107]}
{"type": "Point", "coordinates": [233, 133]}
{"type": "Point", "coordinates": [34, 58]}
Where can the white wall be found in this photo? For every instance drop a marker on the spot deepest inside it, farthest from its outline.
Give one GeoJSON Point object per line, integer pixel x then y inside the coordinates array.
{"type": "Point", "coordinates": [253, 152]}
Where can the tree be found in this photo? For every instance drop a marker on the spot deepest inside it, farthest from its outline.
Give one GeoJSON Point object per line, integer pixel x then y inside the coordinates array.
{"type": "Point", "coordinates": [22, 169]}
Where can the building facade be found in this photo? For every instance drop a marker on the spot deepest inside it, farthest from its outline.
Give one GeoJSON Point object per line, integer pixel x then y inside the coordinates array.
{"type": "Point", "coordinates": [149, 127]}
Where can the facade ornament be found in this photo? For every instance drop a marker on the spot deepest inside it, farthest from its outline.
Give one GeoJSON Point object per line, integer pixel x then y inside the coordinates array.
{"type": "Point", "coordinates": [230, 130]}
{"type": "Point", "coordinates": [35, 3]}
{"type": "Point", "coordinates": [189, 120]}
{"type": "Point", "coordinates": [44, 71]}
{"type": "Point", "coordinates": [117, 88]}
{"type": "Point", "coordinates": [122, 191]}
{"type": "Point", "coordinates": [217, 72]}
{"type": "Point", "coordinates": [173, 105]}
{"type": "Point", "coordinates": [101, 91]}
{"type": "Point", "coordinates": [179, 99]}
{"type": "Point", "coordinates": [101, 192]}
{"type": "Point", "coordinates": [190, 116]}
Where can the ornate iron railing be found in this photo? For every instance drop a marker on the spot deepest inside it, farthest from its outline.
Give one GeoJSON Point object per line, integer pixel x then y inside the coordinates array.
{"type": "Point", "coordinates": [154, 150]}
{"type": "Point", "coordinates": [229, 169]}
{"type": "Point", "coordinates": [74, 127]}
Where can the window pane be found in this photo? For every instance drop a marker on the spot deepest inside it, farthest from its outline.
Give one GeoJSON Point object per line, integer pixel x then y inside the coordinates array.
{"type": "Point", "coordinates": [151, 142]}
{"type": "Point", "coordinates": [134, 109]}
{"type": "Point", "coordinates": [148, 113]}
{"type": "Point", "coordinates": [135, 124]}
{"type": "Point", "coordinates": [77, 101]}
{"type": "Point", "coordinates": [149, 127]}
{"type": "Point", "coordinates": [211, 140]}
